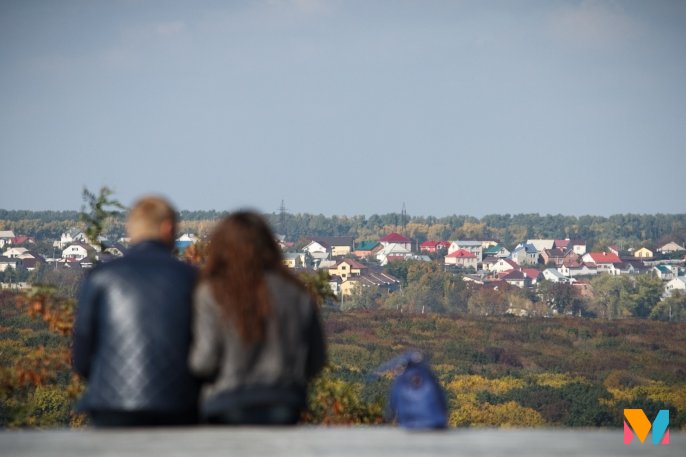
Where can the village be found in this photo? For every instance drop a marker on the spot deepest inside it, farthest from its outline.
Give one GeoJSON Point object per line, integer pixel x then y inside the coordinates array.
{"type": "Point", "coordinates": [486, 263]}
{"type": "Point", "coordinates": [356, 265]}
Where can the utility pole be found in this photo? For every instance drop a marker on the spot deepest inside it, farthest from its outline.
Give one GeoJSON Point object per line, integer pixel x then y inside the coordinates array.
{"type": "Point", "coordinates": [282, 217]}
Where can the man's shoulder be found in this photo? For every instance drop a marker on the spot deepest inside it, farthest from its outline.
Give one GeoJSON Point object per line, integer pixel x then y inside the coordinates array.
{"type": "Point", "coordinates": [130, 262]}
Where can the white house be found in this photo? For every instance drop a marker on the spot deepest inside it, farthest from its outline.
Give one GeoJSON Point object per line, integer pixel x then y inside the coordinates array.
{"type": "Point", "coordinates": [488, 262]}
{"type": "Point", "coordinates": [6, 237]}
{"type": "Point", "coordinates": [396, 239]}
{"type": "Point", "coordinates": [475, 247]}
{"type": "Point", "coordinates": [76, 252]}
{"type": "Point", "coordinates": [541, 244]}
{"type": "Point", "coordinates": [499, 251]}
{"type": "Point", "coordinates": [525, 254]}
{"type": "Point", "coordinates": [334, 246]}
{"type": "Point", "coordinates": [6, 262]}
{"type": "Point", "coordinates": [678, 283]}
{"type": "Point", "coordinates": [603, 261]}
{"type": "Point", "coordinates": [294, 259]}
{"type": "Point", "coordinates": [317, 252]}
{"type": "Point", "coordinates": [14, 253]}
{"type": "Point", "coordinates": [30, 255]}
{"type": "Point", "coordinates": [578, 247]}
{"type": "Point", "coordinates": [72, 236]}
{"type": "Point", "coordinates": [574, 271]}
{"type": "Point", "coordinates": [553, 275]}
{"type": "Point", "coordinates": [315, 247]}
{"type": "Point", "coordinates": [515, 278]}
{"type": "Point", "coordinates": [671, 247]}
{"type": "Point", "coordinates": [666, 272]}
{"type": "Point", "coordinates": [504, 265]}
{"type": "Point", "coordinates": [622, 268]}
{"type": "Point", "coordinates": [392, 251]}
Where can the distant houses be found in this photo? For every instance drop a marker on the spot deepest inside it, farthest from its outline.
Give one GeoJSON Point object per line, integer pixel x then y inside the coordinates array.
{"type": "Point", "coordinates": [349, 275]}
{"type": "Point", "coordinates": [329, 246]}
{"type": "Point", "coordinates": [6, 237]}
{"type": "Point", "coordinates": [670, 248]}
{"type": "Point", "coordinates": [358, 264]}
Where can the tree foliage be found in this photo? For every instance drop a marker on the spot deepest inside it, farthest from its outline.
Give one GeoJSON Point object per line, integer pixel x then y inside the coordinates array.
{"type": "Point", "coordinates": [623, 296]}
{"type": "Point", "coordinates": [672, 308]}
{"type": "Point", "coordinates": [37, 387]}
{"type": "Point", "coordinates": [97, 210]}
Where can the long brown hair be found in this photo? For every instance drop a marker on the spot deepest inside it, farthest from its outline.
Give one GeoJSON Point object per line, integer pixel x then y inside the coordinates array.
{"type": "Point", "coordinates": [242, 248]}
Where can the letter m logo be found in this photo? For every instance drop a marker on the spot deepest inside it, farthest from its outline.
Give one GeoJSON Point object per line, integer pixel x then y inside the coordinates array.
{"type": "Point", "coordinates": [640, 425]}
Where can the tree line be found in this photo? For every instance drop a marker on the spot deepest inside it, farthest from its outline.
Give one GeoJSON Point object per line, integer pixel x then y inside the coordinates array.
{"type": "Point", "coordinates": [627, 230]}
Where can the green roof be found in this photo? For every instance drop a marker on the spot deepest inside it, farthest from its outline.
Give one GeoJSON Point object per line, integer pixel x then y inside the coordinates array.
{"type": "Point", "coordinates": [493, 249]}
{"type": "Point", "coordinates": [365, 245]}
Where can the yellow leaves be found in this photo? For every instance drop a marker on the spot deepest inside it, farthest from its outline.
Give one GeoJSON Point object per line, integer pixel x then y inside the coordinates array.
{"type": "Point", "coordinates": [657, 391]}
{"type": "Point", "coordinates": [509, 414]}
{"type": "Point", "coordinates": [471, 230]}
{"type": "Point", "coordinates": [555, 380]}
{"type": "Point", "coordinates": [337, 402]}
{"type": "Point", "coordinates": [465, 389]}
{"type": "Point", "coordinates": [475, 384]}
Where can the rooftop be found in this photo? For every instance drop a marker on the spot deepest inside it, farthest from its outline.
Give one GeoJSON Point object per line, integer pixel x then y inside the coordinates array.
{"type": "Point", "coordinates": [395, 238]}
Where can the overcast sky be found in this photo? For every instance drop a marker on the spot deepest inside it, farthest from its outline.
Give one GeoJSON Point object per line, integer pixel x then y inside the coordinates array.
{"type": "Point", "coordinates": [347, 107]}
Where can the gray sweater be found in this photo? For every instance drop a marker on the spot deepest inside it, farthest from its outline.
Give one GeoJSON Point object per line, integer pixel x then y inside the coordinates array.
{"type": "Point", "coordinates": [292, 352]}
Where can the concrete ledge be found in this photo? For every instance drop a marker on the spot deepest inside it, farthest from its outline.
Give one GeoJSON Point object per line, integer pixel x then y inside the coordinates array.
{"type": "Point", "coordinates": [335, 441]}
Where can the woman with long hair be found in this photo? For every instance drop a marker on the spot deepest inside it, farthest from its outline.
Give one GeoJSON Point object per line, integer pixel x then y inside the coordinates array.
{"type": "Point", "coordinates": [257, 335]}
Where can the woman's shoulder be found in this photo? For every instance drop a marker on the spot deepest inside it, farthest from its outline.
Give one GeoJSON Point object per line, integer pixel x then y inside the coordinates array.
{"type": "Point", "coordinates": [203, 293]}
{"type": "Point", "coordinates": [287, 287]}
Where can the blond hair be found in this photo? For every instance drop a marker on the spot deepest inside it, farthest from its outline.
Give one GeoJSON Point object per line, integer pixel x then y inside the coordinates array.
{"type": "Point", "coordinates": [146, 217]}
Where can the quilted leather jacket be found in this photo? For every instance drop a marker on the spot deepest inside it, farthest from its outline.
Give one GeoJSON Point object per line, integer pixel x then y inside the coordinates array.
{"type": "Point", "coordinates": [132, 333]}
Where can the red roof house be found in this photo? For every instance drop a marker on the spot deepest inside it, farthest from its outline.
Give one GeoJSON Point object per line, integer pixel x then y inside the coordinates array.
{"type": "Point", "coordinates": [434, 246]}
{"type": "Point", "coordinates": [397, 239]}
{"type": "Point", "coordinates": [461, 258]}
{"type": "Point", "coordinates": [602, 258]}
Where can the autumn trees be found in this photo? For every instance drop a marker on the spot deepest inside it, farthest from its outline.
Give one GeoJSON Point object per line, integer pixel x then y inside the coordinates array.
{"type": "Point", "coordinates": [630, 296]}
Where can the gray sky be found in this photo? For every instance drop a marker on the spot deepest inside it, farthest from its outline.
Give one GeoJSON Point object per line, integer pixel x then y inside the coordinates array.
{"type": "Point", "coordinates": [347, 107]}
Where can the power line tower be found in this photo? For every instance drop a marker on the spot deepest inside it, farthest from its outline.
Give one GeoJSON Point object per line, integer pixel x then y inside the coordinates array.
{"type": "Point", "coordinates": [403, 220]}
{"type": "Point", "coordinates": [282, 217]}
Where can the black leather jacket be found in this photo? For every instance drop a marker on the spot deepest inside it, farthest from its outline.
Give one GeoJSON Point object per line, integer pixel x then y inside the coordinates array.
{"type": "Point", "coordinates": [132, 334]}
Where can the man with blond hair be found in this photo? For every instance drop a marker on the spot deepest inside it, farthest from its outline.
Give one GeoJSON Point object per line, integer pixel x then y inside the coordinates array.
{"type": "Point", "coordinates": [132, 330]}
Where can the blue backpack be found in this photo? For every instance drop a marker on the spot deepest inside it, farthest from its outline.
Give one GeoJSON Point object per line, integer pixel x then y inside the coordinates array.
{"type": "Point", "coordinates": [416, 400]}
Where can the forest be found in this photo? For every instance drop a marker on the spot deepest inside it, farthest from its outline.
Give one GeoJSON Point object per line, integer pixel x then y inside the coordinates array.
{"type": "Point", "coordinates": [496, 371]}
